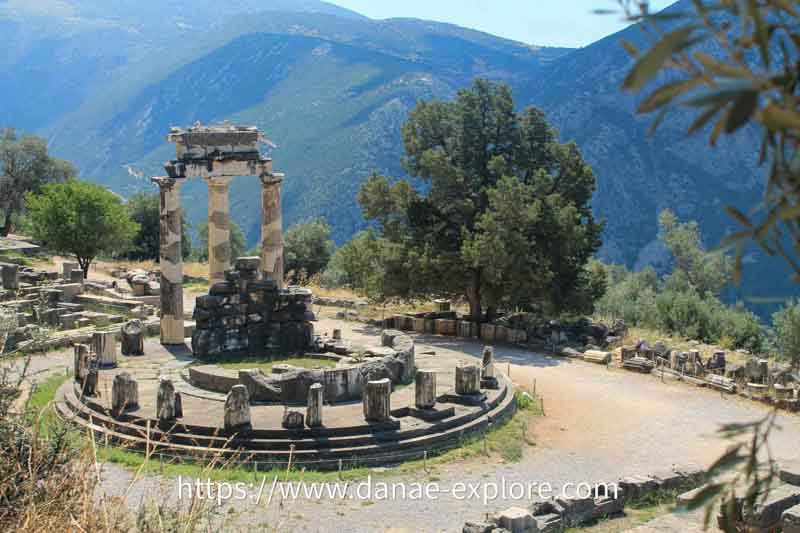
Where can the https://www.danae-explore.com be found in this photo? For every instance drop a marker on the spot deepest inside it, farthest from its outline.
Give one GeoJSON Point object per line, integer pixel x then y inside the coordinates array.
{"type": "Point", "coordinates": [271, 490]}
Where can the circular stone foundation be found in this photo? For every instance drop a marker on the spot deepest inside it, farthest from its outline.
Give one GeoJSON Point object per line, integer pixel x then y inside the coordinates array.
{"type": "Point", "coordinates": [344, 435]}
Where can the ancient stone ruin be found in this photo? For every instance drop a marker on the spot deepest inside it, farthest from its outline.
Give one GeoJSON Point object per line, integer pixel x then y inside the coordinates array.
{"type": "Point", "coordinates": [217, 154]}
{"type": "Point", "coordinates": [247, 314]}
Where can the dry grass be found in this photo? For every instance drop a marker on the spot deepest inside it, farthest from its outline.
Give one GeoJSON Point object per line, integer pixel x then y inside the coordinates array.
{"type": "Point", "coordinates": [49, 475]}
{"type": "Point", "coordinates": [678, 343]}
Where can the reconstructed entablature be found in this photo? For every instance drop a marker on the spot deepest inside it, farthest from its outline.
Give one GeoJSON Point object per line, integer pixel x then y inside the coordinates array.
{"type": "Point", "coordinates": [218, 151]}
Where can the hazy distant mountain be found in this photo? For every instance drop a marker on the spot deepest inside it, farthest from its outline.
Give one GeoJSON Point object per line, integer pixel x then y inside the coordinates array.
{"type": "Point", "coordinates": [640, 176]}
{"type": "Point", "coordinates": [328, 86]}
{"type": "Point", "coordinates": [104, 81]}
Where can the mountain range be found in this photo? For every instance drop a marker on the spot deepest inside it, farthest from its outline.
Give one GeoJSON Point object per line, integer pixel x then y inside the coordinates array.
{"type": "Point", "coordinates": [103, 82]}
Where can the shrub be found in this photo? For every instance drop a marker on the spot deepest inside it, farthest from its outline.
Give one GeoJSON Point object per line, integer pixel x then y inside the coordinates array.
{"type": "Point", "coordinates": [637, 298]}
{"type": "Point", "coordinates": [307, 249]}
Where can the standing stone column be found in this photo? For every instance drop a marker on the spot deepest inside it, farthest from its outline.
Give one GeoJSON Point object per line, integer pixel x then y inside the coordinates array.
{"type": "Point", "coordinates": [124, 393]}
{"type": "Point", "coordinates": [81, 354]}
{"type": "Point", "coordinates": [10, 275]}
{"type": "Point", "coordinates": [468, 379]}
{"type": "Point", "coordinates": [488, 362]}
{"type": "Point", "coordinates": [171, 262]}
{"type": "Point", "coordinates": [237, 409]}
{"type": "Point", "coordinates": [315, 402]}
{"type": "Point", "coordinates": [76, 276]}
{"type": "Point", "coordinates": [271, 229]}
{"type": "Point", "coordinates": [425, 389]}
{"type": "Point", "coordinates": [219, 246]}
{"type": "Point", "coordinates": [377, 400]}
{"type": "Point", "coordinates": [166, 408]}
{"type": "Point", "coordinates": [104, 344]}
{"type": "Point", "coordinates": [90, 383]}
{"type": "Point", "coordinates": [132, 337]}
{"type": "Point", "coordinates": [66, 269]}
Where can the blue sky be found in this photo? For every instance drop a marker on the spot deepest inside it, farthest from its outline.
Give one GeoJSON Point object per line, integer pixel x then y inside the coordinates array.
{"type": "Point", "coordinates": [541, 22]}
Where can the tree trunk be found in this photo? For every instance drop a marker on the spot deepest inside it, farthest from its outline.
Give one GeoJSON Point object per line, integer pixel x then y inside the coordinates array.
{"type": "Point", "coordinates": [6, 229]}
{"type": "Point", "coordinates": [474, 297]}
{"type": "Point", "coordinates": [84, 262]}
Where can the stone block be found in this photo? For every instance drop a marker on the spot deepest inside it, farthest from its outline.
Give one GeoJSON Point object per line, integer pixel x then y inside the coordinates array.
{"type": "Point", "coordinates": [292, 420]}
{"type": "Point", "coordinates": [487, 364]}
{"type": "Point", "coordinates": [468, 379]}
{"type": "Point", "coordinates": [250, 263]}
{"type": "Point", "coordinates": [445, 327]}
{"type": "Point", "coordinates": [488, 332]}
{"type": "Point", "coordinates": [90, 383]}
{"type": "Point", "coordinates": [81, 362]}
{"type": "Point", "coordinates": [790, 520]}
{"type": "Point", "coordinates": [575, 511]}
{"type": "Point", "coordinates": [260, 388]}
{"type": "Point", "coordinates": [104, 344]}
{"type": "Point", "coordinates": [377, 400]}
{"type": "Point", "coordinates": [467, 329]}
{"type": "Point", "coordinates": [388, 336]}
{"type": "Point", "coordinates": [477, 527]}
{"type": "Point", "coordinates": [515, 519]}
{"type": "Point", "coordinates": [166, 409]}
{"type": "Point", "coordinates": [124, 394]}
{"type": "Point", "coordinates": [442, 305]}
{"type": "Point", "coordinates": [425, 389]}
{"type": "Point", "coordinates": [9, 273]}
{"type": "Point", "coordinates": [315, 405]}
{"type": "Point", "coordinates": [237, 410]}
{"type": "Point", "coordinates": [548, 523]}
{"type": "Point", "coordinates": [597, 356]}
{"type": "Point", "coordinates": [636, 486]}
{"type": "Point", "coordinates": [608, 506]}
{"type": "Point", "coordinates": [70, 320]}
{"type": "Point", "coordinates": [69, 291]}
{"type": "Point", "coordinates": [767, 514]}
{"type": "Point", "coordinates": [132, 338]}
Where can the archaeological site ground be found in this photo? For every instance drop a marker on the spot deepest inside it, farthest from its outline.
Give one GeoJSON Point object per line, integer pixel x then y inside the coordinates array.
{"type": "Point", "coordinates": [301, 269]}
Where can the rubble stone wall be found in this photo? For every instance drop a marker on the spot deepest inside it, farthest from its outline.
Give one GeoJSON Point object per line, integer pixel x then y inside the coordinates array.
{"type": "Point", "coordinates": [247, 314]}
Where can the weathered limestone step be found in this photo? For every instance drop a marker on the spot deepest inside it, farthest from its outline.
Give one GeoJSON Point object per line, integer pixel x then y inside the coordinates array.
{"type": "Point", "coordinates": [364, 455]}
{"type": "Point", "coordinates": [597, 356]}
{"type": "Point", "coordinates": [257, 438]}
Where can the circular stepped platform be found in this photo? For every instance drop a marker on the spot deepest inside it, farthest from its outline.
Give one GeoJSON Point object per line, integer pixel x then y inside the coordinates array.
{"type": "Point", "coordinates": [348, 439]}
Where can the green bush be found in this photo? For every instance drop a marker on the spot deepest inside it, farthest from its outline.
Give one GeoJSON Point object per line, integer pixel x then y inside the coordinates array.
{"type": "Point", "coordinates": [630, 296]}
{"type": "Point", "coordinates": [637, 298]}
{"type": "Point", "coordinates": [307, 249]}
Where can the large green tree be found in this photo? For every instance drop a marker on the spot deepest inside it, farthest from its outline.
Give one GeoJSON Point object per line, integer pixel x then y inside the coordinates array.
{"type": "Point", "coordinates": [307, 248]}
{"type": "Point", "coordinates": [25, 166]}
{"type": "Point", "coordinates": [505, 219]}
{"type": "Point", "coordinates": [82, 219]}
{"type": "Point", "coordinates": [145, 210]}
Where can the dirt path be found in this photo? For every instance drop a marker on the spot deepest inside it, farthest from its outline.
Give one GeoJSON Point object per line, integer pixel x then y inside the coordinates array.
{"type": "Point", "coordinates": [600, 425]}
